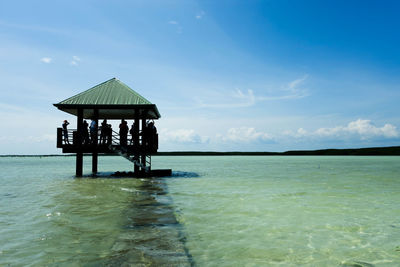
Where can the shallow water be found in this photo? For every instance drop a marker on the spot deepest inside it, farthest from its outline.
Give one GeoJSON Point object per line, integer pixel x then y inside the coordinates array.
{"type": "Point", "coordinates": [214, 211]}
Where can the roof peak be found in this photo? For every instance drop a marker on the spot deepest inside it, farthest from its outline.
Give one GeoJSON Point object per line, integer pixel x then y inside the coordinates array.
{"type": "Point", "coordinates": [110, 92]}
{"type": "Point", "coordinates": [113, 99]}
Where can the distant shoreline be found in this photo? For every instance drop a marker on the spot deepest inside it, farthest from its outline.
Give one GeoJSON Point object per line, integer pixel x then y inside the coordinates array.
{"type": "Point", "coordinates": [371, 151]}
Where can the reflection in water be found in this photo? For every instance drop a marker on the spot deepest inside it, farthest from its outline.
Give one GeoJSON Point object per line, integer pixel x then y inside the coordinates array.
{"type": "Point", "coordinates": [152, 235]}
{"type": "Point", "coordinates": [181, 174]}
{"type": "Point", "coordinates": [48, 218]}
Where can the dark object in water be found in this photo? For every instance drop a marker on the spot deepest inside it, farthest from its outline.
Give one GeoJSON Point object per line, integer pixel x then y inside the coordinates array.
{"type": "Point", "coordinates": [356, 264]}
{"type": "Point", "coordinates": [153, 173]}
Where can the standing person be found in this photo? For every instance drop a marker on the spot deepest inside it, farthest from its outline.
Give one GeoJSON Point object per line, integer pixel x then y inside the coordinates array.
{"type": "Point", "coordinates": [65, 131]}
{"type": "Point", "coordinates": [103, 132]}
{"type": "Point", "coordinates": [123, 132]}
{"type": "Point", "coordinates": [154, 145]}
{"type": "Point", "coordinates": [152, 131]}
{"type": "Point", "coordinates": [109, 134]}
{"type": "Point", "coordinates": [155, 138]}
{"type": "Point", "coordinates": [93, 131]}
{"type": "Point", "coordinates": [132, 132]}
{"type": "Point", "coordinates": [85, 132]}
{"type": "Point", "coordinates": [145, 135]}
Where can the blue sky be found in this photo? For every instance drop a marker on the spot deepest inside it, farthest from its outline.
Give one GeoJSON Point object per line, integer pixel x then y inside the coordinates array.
{"type": "Point", "coordinates": [225, 75]}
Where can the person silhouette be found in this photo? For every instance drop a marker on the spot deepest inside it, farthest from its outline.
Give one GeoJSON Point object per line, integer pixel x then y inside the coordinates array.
{"type": "Point", "coordinates": [132, 133]}
{"type": "Point", "coordinates": [65, 131]}
{"type": "Point", "coordinates": [93, 132]}
{"type": "Point", "coordinates": [85, 133]}
{"type": "Point", "coordinates": [123, 132]}
{"type": "Point", "coordinates": [103, 132]}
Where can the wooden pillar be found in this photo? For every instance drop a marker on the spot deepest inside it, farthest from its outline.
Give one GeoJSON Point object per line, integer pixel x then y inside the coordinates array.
{"type": "Point", "coordinates": [143, 154]}
{"type": "Point", "coordinates": [59, 137]}
{"type": "Point", "coordinates": [95, 153]}
{"type": "Point", "coordinates": [79, 154]}
{"type": "Point", "coordinates": [137, 145]}
{"type": "Point", "coordinates": [94, 162]}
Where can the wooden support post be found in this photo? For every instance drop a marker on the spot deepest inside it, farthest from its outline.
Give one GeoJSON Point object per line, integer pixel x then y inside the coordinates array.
{"type": "Point", "coordinates": [79, 164]}
{"type": "Point", "coordinates": [94, 162]}
{"type": "Point", "coordinates": [59, 137]}
{"type": "Point", "coordinates": [79, 154]}
{"type": "Point", "coordinates": [136, 141]}
{"type": "Point", "coordinates": [95, 154]}
{"type": "Point", "coordinates": [143, 154]}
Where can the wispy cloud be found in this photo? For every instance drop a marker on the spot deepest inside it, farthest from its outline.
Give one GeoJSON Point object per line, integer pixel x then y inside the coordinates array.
{"type": "Point", "coordinates": [4, 107]}
{"type": "Point", "coordinates": [179, 28]}
{"type": "Point", "coordinates": [46, 59]}
{"type": "Point", "coordinates": [200, 14]}
{"type": "Point", "coordinates": [75, 60]}
{"type": "Point", "coordinates": [31, 27]}
{"type": "Point", "coordinates": [236, 99]}
{"type": "Point", "coordinates": [42, 138]}
{"type": "Point", "coordinates": [292, 90]}
{"type": "Point", "coordinates": [27, 139]}
{"type": "Point", "coordinates": [246, 98]}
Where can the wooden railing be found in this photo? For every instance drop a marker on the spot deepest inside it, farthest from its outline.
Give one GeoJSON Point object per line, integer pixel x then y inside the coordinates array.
{"type": "Point", "coordinates": [147, 143]}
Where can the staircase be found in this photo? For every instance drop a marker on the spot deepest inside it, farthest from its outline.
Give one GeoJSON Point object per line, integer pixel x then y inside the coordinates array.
{"type": "Point", "coordinates": [122, 151]}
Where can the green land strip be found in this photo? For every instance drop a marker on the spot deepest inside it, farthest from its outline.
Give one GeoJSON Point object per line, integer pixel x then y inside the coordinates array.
{"type": "Point", "coordinates": [371, 151]}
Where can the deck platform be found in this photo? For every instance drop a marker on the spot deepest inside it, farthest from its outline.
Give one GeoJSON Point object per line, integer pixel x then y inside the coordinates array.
{"type": "Point", "coordinates": [102, 149]}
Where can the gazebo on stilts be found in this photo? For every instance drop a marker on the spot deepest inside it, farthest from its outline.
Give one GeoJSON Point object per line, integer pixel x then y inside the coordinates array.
{"type": "Point", "coordinates": [111, 100]}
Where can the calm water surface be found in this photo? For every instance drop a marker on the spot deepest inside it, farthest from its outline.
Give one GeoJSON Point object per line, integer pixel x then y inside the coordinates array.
{"type": "Point", "coordinates": [213, 211]}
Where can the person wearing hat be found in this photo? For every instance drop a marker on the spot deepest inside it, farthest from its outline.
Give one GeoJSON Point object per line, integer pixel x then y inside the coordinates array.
{"type": "Point", "coordinates": [65, 131]}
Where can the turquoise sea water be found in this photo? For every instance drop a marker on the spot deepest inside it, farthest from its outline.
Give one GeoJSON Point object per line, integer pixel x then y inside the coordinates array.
{"type": "Point", "coordinates": [213, 211]}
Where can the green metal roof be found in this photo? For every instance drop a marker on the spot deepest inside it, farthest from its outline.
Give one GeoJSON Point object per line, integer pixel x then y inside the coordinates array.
{"type": "Point", "coordinates": [113, 100]}
{"type": "Point", "coordinates": [111, 92]}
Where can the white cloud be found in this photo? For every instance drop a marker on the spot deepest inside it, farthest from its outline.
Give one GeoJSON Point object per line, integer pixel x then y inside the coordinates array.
{"type": "Point", "coordinates": [366, 129]}
{"type": "Point", "coordinates": [75, 60]}
{"type": "Point", "coordinates": [200, 15]}
{"type": "Point", "coordinates": [46, 59]}
{"type": "Point", "coordinates": [244, 135]}
{"type": "Point", "coordinates": [173, 22]}
{"type": "Point", "coordinates": [360, 129]}
{"type": "Point", "coordinates": [301, 132]}
{"type": "Point", "coordinates": [181, 136]}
